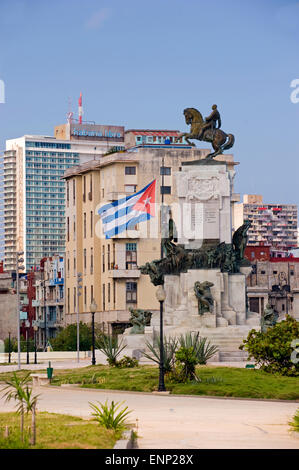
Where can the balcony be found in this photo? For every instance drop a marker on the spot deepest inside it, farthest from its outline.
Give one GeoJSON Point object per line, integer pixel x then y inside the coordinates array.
{"type": "Point", "coordinates": [124, 273]}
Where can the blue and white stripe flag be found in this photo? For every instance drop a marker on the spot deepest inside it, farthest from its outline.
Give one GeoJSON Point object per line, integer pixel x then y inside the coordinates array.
{"type": "Point", "coordinates": [125, 213]}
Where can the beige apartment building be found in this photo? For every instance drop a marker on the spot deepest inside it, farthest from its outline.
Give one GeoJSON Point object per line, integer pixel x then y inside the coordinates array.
{"type": "Point", "coordinates": [109, 267]}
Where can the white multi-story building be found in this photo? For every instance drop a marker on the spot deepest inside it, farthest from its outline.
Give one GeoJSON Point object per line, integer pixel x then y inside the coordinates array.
{"type": "Point", "coordinates": [34, 191]}
{"type": "Point", "coordinates": [271, 224]}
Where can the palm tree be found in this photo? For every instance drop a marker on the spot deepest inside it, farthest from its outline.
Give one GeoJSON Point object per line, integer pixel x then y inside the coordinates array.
{"type": "Point", "coordinates": [30, 402]}
{"type": "Point", "coordinates": [14, 391]}
{"type": "Point", "coordinates": [17, 389]}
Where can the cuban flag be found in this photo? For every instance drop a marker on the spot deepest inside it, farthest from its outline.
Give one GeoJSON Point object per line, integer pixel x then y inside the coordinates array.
{"type": "Point", "coordinates": [125, 213]}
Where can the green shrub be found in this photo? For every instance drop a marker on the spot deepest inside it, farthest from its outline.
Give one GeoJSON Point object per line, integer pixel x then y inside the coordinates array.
{"type": "Point", "coordinates": [108, 417]}
{"type": "Point", "coordinates": [109, 345]}
{"type": "Point", "coordinates": [272, 350]}
{"type": "Point", "coordinates": [295, 422]}
{"type": "Point", "coordinates": [201, 346]}
{"type": "Point", "coordinates": [186, 361]}
{"type": "Point", "coordinates": [66, 339]}
{"type": "Point", "coordinates": [127, 361]}
{"type": "Point", "coordinates": [169, 348]}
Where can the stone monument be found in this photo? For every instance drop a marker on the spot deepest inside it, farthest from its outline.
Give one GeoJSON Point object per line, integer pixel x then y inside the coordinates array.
{"type": "Point", "coordinates": [204, 273]}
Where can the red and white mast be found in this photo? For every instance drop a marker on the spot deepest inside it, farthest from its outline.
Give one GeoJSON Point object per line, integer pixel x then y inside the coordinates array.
{"type": "Point", "coordinates": [80, 109]}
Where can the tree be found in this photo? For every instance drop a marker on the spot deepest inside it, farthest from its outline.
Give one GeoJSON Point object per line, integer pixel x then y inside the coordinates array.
{"type": "Point", "coordinates": [66, 339]}
{"type": "Point", "coordinates": [272, 350]}
{"type": "Point", "coordinates": [15, 391]}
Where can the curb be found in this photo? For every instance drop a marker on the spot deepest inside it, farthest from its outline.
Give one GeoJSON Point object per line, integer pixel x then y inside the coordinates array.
{"type": "Point", "coordinates": [128, 441]}
{"type": "Point", "coordinates": [131, 392]}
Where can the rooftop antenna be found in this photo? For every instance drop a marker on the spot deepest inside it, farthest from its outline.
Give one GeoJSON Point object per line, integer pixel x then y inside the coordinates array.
{"type": "Point", "coordinates": [69, 114]}
{"type": "Point", "coordinates": [80, 109]}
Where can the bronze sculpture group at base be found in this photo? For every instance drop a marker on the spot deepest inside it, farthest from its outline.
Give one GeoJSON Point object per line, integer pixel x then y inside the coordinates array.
{"type": "Point", "coordinates": [203, 294]}
{"type": "Point", "coordinates": [139, 319]}
{"type": "Point", "coordinates": [269, 318]}
{"type": "Point", "coordinates": [228, 257]}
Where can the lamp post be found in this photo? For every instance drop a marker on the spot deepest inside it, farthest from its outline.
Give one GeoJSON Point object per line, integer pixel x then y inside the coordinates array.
{"type": "Point", "coordinates": [19, 266]}
{"type": "Point", "coordinates": [9, 347]}
{"type": "Point", "coordinates": [27, 344]}
{"type": "Point", "coordinates": [35, 328]}
{"type": "Point", "coordinates": [93, 308]}
{"type": "Point", "coordinates": [160, 294]}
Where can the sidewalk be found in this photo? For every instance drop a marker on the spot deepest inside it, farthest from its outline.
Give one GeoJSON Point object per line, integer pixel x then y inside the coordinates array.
{"type": "Point", "coordinates": [172, 422]}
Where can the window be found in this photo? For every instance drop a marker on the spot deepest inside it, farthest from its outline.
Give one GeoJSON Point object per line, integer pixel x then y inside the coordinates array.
{"type": "Point", "coordinates": [84, 225]}
{"type": "Point", "coordinates": [68, 229]}
{"type": "Point", "coordinates": [84, 257]}
{"type": "Point", "coordinates": [90, 188]}
{"type": "Point", "coordinates": [130, 188]}
{"type": "Point", "coordinates": [274, 272]}
{"type": "Point", "coordinates": [165, 170]}
{"type": "Point", "coordinates": [91, 223]}
{"type": "Point", "coordinates": [131, 292]}
{"type": "Point", "coordinates": [103, 258]}
{"type": "Point", "coordinates": [131, 255]}
{"type": "Point", "coordinates": [292, 273]}
{"type": "Point", "coordinates": [74, 298]}
{"type": "Point", "coordinates": [108, 256]}
{"type": "Point", "coordinates": [74, 226]}
{"type": "Point", "coordinates": [84, 188]}
{"type": "Point", "coordinates": [74, 262]}
{"type": "Point", "coordinates": [91, 260]}
{"type": "Point", "coordinates": [263, 272]}
{"type": "Point", "coordinates": [67, 193]}
{"type": "Point", "coordinates": [74, 192]}
{"type": "Point", "coordinates": [130, 170]}
{"type": "Point", "coordinates": [108, 292]}
{"type": "Point", "coordinates": [85, 295]}
{"type": "Point", "coordinates": [68, 300]}
{"type": "Point", "coordinates": [91, 293]}
{"type": "Point", "coordinates": [68, 266]}
{"type": "Point", "coordinates": [104, 305]}
{"type": "Point", "coordinates": [165, 189]}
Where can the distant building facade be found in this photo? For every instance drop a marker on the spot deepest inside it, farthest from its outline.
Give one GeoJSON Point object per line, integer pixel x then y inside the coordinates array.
{"type": "Point", "coordinates": [153, 137]}
{"type": "Point", "coordinates": [49, 298]}
{"type": "Point", "coordinates": [34, 194]}
{"type": "Point", "coordinates": [274, 225]}
{"type": "Point", "coordinates": [274, 279]}
{"type": "Point", "coordinates": [8, 306]}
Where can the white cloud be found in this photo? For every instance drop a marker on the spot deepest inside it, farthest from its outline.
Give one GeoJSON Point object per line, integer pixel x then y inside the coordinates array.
{"type": "Point", "coordinates": [97, 19]}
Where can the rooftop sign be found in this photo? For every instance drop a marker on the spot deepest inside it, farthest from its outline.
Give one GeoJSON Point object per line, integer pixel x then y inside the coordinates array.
{"type": "Point", "coordinates": [97, 132]}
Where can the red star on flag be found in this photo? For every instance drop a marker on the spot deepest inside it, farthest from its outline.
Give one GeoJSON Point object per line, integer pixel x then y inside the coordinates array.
{"type": "Point", "coordinates": [147, 201]}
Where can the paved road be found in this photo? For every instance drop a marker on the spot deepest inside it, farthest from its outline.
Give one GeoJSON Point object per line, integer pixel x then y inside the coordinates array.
{"type": "Point", "coordinates": [172, 422]}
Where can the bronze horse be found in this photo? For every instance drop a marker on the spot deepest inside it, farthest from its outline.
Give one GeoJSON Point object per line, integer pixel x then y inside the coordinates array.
{"type": "Point", "coordinates": [220, 140]}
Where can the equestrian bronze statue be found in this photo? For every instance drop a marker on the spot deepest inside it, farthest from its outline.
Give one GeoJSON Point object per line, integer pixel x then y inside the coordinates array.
{"type": "Point", "coordinates": [207, 130]}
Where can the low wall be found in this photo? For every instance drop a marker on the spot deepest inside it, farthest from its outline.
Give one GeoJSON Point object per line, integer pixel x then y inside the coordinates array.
{"type": "Point", "coordinates": [45, 356]}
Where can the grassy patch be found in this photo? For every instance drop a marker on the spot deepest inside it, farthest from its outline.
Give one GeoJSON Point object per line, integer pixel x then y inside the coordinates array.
{"type": "Point", "coordinates": [295, 422]}
{"type": "Point", "coordinates": [216, 381]}
{"type": "Point", "coordinates": [55, 431]}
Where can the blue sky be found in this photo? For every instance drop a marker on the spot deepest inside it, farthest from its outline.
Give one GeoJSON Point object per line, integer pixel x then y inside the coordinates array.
{"type": "Point", "coordinates": [140, 63]}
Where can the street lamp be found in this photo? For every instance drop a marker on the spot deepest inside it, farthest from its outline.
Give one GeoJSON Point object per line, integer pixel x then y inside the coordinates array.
{"type": "Point", "coordinates": [19, 266]}
{"type": "Point", "coordinates": [93, 308]}
{"type": "Point", "coordinates": [9, 347]}
{"type": "Point", "coordinates": [160, 294]}
{"type": "Point", "coordinates": [35, 352]}
{"type": "Point", "coordinates": [27, 324]}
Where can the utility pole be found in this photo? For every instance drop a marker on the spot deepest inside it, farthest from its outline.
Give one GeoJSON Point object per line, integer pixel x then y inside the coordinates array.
{"type": "Point", "coordinates": [19, 266]}
{"type": "Point", "coordinates": [79, 287]}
